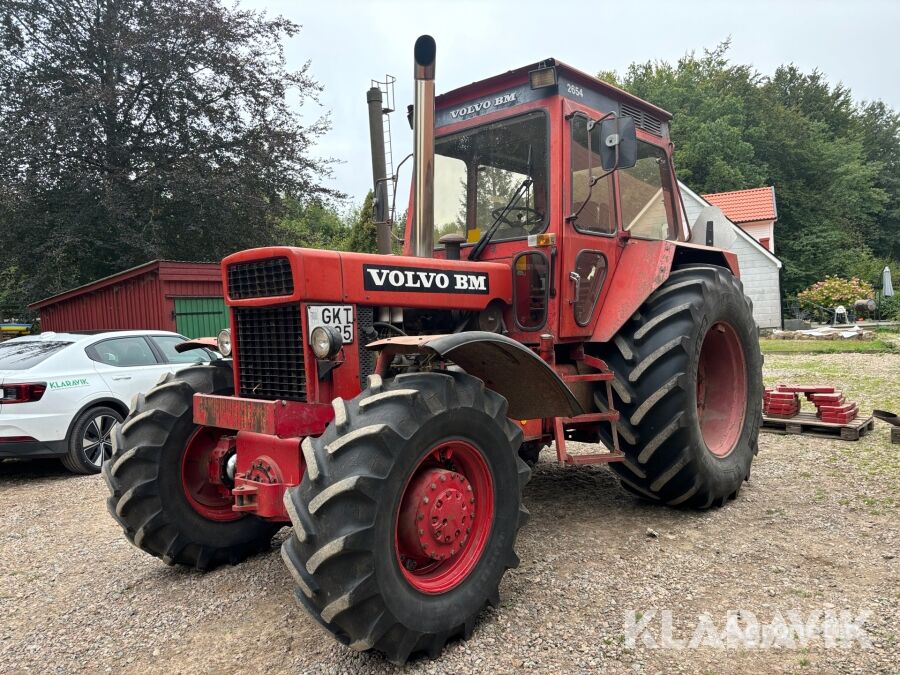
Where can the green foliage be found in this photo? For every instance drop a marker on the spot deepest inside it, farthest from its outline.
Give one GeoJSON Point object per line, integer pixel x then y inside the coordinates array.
{"type": "Point", "coordinates": [890, 307]}
{"type": "Point", "coordinates": [826, 347]}
{"type": "Point", "coordinates": [12, 293]}
{"type": "Point", "coordinates": [835, 164]}
{"type": "Point", "coordinates": [361, 237]}
{"type": "Point", "coordinates": [834, 291]}
{"type": "Point", "coordinates": [136, 130]}
{"type": "Point", "coordinates": [314, 224]}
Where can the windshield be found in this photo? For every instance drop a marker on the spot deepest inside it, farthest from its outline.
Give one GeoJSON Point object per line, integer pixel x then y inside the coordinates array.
{"type": "Point", "coordinates": [15, 355]}
{"type": "Point", "coordinates": [477, 171]}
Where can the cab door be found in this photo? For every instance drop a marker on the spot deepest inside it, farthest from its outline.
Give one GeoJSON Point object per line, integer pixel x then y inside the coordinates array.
{"type": "Point", "coordinates": [590, 248]}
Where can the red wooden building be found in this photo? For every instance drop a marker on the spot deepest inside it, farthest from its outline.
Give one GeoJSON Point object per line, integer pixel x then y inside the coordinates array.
{"type": "Point", "coordinates": [184, 297]}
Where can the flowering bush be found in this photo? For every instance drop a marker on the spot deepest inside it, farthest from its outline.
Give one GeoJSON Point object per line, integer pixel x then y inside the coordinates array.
{"type": "Point", "coordinates": [834, 291]}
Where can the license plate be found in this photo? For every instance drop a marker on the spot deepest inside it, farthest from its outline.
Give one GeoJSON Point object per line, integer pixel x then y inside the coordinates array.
{"type": "Point", "coordinates": [337, 316]}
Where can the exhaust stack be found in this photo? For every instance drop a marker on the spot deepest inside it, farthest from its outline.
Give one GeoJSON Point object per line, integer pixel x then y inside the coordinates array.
{"type": "Point", "coordinates": [423, 148]}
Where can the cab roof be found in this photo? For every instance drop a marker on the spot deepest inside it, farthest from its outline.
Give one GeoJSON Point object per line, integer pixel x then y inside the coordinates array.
{"type": "Point", "coordinates": [565, 73]}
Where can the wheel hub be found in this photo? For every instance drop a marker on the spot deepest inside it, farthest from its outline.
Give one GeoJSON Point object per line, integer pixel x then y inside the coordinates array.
{"type": "Point", "coordinates": [437, 515]}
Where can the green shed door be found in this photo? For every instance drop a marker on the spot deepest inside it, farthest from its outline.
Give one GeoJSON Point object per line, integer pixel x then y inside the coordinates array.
{"type": "Point", "coordinates": [200, 317]}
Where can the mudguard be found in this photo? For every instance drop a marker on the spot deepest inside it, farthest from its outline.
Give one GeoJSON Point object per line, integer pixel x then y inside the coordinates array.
{"type": "Point", "coordinates": [531, 386]}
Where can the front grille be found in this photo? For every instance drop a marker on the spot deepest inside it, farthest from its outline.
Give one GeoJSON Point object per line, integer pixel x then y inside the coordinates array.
{"type": "Point", "coordinates": [365, 317]}
{"type": "Point", "coordinates": [270, 352]}
{"type": "Point", "coordinates": [260, 279]}
{"type": "Point", "coordinates": [643, 120]}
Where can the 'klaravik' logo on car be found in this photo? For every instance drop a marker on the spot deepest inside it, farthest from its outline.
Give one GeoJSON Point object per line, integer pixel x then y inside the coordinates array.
{"type": "Point", "coordinates": [66, 384]}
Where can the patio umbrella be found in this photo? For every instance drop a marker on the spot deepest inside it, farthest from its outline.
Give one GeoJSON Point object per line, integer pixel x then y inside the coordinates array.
{"type": "Point", "coordinates": [887, 288]}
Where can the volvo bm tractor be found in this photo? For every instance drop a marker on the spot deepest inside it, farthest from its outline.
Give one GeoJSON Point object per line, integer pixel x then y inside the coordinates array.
{"type": "Point", "coordinates": [388, 407]}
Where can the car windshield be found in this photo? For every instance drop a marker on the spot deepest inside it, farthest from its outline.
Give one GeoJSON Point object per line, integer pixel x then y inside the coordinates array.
{"type": "Point", "coordinates": [22, 355]}
{"type": "Point", "coordinates": [477, 171]}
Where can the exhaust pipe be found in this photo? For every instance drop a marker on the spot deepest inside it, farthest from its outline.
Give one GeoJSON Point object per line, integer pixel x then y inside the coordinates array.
{"type": "Point", "coordinates": [423, 148]}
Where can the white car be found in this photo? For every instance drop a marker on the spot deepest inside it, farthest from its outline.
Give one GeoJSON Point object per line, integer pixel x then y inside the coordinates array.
{"type": "Point", "coordinates": [62, 393]}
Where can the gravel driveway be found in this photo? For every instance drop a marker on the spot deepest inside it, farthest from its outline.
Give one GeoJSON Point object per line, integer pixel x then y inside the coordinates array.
{"type": "Point", "coordinates": [816, 529]}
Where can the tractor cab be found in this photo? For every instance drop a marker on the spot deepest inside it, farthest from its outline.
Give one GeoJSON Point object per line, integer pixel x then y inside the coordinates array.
{"type": "Point", "coordinates": [560, 170]}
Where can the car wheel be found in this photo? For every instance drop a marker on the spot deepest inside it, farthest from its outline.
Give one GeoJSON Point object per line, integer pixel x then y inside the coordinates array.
{"type": "Point", "coordinates": [90, 441]}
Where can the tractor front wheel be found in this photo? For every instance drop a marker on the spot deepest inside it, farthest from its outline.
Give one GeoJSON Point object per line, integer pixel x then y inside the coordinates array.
{"type": "Point", "coordinates": [407, 514]}
{"type": "Point", "coordinates": [158, 477]}
{"type": "Point", "coordinates": [689, 389]}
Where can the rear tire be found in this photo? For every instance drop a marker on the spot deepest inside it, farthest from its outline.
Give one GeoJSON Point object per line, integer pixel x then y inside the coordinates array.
{"type": "Point", "coordinates": [90, 441]}
{"type": "Point", "coordinates": [145, 478]}
{"type": "Point", "coordinates": [689, 389]}
{"type": "Point", "coordinates": [354, 516]}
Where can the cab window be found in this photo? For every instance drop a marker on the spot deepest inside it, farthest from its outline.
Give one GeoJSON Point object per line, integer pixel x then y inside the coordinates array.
{"type": "Point", "coordinates": [591, 207]}
{"type": "Point", "coordinates": [123, 352]}
{"type": "Point", "coordinates": [478, 171]}
{"type": "Point", "coordinates": [645, 192]}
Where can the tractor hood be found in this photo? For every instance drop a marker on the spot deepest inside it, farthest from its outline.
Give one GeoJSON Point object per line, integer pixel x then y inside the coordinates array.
{"type": "Point", "coordinates": [313, 275]}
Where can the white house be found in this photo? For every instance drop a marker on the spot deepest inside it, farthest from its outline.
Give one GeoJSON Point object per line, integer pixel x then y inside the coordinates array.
{"type": "Point", "coordinates": [759, 266]}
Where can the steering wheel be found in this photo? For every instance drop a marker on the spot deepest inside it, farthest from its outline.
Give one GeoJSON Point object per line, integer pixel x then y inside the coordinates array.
{"type": "Point", "coordinates": [520, 216]}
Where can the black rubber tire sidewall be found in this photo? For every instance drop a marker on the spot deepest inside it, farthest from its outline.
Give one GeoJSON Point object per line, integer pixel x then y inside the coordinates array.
{"type": "Point", "coordinates": [454, 606]}
{"type": "Point", "coordinates": [726, 472]}
{"type": "Point", "coordinates": [175, 503]}
{"type": "Point", "coordinates": [76, 460]}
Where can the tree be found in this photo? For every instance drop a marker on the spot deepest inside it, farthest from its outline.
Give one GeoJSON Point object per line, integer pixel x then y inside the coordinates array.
{"type": "Point", "coordinates": [361, 237]}
{"type": "Point", "coordinates": [835, 165]}
{"type": "Point", "coordinates": [313, 224]}
{"type": "Point", "coordinates": [140, 129]}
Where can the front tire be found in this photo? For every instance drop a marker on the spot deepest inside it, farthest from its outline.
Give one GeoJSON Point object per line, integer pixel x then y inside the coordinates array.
{"type": "Point", "coordinates": [407, 514]}
{"type": "Point", "coordinates": [156, 478]}
{"type": "Point", "coordinates": [689, 389]}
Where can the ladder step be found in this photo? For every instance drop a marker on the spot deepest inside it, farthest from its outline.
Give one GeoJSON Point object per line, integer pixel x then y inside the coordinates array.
{"type": "Point", "coordinates": [589, 377]}
{"type": "Point", "coordinates": [610, 416]}
{"type": "Point", "coordinates": [599, 458]}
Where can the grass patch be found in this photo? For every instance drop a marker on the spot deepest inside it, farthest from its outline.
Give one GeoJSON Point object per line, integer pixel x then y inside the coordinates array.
{"type": "Point", "coordinates": [872, 464]}
{"type": "Point", "coordinates": [826, 346]}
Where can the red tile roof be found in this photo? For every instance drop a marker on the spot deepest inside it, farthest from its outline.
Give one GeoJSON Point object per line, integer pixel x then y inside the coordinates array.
{"type": "Point", "coordinates": [744, 206]}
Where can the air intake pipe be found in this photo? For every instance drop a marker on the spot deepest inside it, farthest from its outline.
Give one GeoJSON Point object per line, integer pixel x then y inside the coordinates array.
{"type": "Point", "coordinates": [423, 148]}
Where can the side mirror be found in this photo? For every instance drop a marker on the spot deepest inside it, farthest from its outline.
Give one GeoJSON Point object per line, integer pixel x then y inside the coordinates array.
{"type": "Point", "coordinates": [381, 203]}
{"type": "Point", "coordinates": [618, 134]}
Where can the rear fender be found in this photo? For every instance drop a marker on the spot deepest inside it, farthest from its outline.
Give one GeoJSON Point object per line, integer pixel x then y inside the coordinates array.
{"type": "Point", "coordinates": [643, 267]}
{"type": "Point", "coordinates": [529, 384]}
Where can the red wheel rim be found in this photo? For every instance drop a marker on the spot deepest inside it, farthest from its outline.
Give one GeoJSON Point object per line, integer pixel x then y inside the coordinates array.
{"type": "Point", "coordinates": [445, 517]}
{"type": "Point", "coordinates": [210, 500]}
{"type": "Point", "coordinates": [721, 389]}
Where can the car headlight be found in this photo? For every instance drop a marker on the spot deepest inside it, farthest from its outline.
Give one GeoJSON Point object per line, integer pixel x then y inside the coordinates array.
{"type": "Point", "coordinates": [223, 340]}
{"type": "Point", "coordinates": [326, 341]}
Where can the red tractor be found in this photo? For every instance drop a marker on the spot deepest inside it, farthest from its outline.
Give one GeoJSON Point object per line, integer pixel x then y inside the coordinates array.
{"type": "Point", "coordinates": [389, 406]}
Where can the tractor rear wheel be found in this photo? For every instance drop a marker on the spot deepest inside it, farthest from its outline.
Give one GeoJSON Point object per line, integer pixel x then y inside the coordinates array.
{"type": "Point", "coordinates": [689, 388]}
{"type": "Point", "coordinates": [158, 478]}
{"type": "Point", "coordinates": [406, 517]}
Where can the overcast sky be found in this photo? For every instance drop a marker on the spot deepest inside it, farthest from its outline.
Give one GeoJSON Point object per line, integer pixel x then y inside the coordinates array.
{"type": "Point", "coordinates": [350, 42]}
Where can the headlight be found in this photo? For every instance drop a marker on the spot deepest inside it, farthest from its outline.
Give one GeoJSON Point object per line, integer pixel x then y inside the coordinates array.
{"type": "Point", "coordinates": [326, 341]}
{"type": "Point", "coordinates": [223, 340]}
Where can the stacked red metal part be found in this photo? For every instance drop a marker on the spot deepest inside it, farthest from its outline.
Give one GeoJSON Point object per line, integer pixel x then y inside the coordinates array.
{"type": "Point", "coordinates": [780, 403]}
{"type": "Point", "coordinates": [831, 405]}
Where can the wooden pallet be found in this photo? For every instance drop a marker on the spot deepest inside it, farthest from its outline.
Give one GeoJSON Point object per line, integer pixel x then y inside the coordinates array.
{"type": "Point", "coordinates": [808, 424]}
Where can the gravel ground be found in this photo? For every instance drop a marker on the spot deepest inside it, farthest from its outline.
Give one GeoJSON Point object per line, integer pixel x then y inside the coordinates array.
{"type": "Point", "coordinates": [816, 528]}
